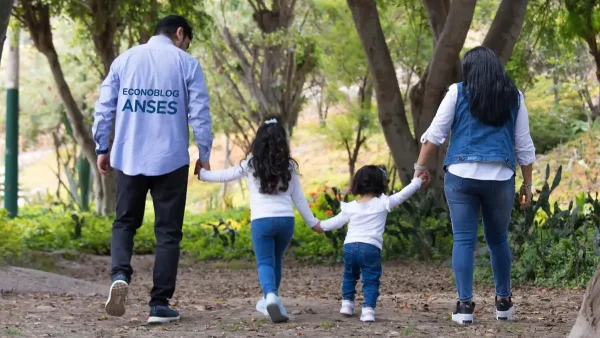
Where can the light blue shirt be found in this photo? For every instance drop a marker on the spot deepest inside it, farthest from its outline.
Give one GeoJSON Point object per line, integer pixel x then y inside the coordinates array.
{"type": "Point", "coordinates": [154, 90]}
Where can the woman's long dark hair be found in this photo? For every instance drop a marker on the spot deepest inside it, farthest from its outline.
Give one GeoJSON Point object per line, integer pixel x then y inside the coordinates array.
{"type": "Point", "coordinates": [491, 92]}
{"type": "Point", "coordinates": [271, 159]}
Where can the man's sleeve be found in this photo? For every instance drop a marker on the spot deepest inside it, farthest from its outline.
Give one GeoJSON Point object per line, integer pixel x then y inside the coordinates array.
{"type": "Point", "coordinates": [105, 108]}
{"type": "Point", "coordinates": [199, 112]}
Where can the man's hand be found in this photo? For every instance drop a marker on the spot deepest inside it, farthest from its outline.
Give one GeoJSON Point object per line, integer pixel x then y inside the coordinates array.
{"type": "Point", "coordinates": [317, 228]}
{"type": "Point", "coordinates": [200, 165]}
{"type": "Point", "coordinates": [103, 164]}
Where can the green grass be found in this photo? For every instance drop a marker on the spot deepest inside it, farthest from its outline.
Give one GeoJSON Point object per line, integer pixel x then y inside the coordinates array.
{"type": "Point", "coordinates": [13, 332]}
{"type": "Point", "coordinates": [326, 325]}
{"type": "Point", "coordinates": [410, 329]}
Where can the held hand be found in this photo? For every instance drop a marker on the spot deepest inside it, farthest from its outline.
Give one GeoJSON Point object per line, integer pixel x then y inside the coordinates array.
{"type": "Point", "coordinates": [317, 228]}
{"type": "Point", "coordinates": [201, 165]}
{"type": "Point", "coordinates": [424, 176]}
{"type": "Point", "coordinates": [103, 164]}
{"type": "Point", "coordinates": [525, 196]}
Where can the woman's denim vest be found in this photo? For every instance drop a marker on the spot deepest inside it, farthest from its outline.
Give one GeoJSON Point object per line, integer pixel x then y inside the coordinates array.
{"type": "Point", "coordinates": [473, 141]}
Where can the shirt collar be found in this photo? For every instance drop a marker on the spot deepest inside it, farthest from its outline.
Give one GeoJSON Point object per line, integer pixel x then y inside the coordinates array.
{"type": "Point", "coordinates": [160, 39]}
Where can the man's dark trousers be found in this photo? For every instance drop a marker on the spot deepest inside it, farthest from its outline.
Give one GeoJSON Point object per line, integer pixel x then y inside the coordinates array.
{"type": "Point", "coordinates": [169, 195]}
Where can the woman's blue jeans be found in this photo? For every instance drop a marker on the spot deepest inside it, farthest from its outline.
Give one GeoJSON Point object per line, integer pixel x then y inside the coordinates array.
{"type": "Point", "coordinates": [495, 199]}
{"type": "Point", "coordinates": [271, 237]}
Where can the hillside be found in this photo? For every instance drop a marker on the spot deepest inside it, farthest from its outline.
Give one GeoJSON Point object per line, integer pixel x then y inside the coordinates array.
{"type": "Point", "coordinates": [580, 159]}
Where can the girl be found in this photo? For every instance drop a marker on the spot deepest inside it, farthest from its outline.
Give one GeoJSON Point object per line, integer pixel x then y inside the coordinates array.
{"type": "Point", "coordinates": [273, 184]}
{"type": "Point", "coordinates": [366, 222]}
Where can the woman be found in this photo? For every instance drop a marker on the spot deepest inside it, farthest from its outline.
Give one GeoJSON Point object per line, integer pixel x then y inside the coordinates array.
{"type": "Point", "coordinates": [489, 127]}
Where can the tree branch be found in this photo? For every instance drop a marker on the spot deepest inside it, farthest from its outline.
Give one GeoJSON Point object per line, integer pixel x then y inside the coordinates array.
{"type": "Point", "coordinates": [443, 60]}
{"type": "Point", "coordinates": [390, 105]}
{"type": "Point", "coordinates": [506, 28]}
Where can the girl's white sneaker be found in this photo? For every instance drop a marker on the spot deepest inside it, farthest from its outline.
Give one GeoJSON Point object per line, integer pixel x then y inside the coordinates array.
{"type": "Point", "coordinates": [368, 314]}
{"type": "Point", "coordinates": [347, 308]}
{"type": "Point", "coordinates": [275, 309]}
{"type": "Point", "coordinates": [261, 307]}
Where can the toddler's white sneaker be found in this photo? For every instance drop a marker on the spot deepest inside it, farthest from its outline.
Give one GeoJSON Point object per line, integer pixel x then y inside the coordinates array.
{"type": "Point", "coordinates": [368, 314]}
{"type": "Point", "coordinates": [347, 308]}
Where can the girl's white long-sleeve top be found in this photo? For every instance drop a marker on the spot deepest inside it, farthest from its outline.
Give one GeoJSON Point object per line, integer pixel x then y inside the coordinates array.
{"type": "Point", "coordinates": [264, 205]}
{"type": "Point", "coordinates": [366, 221]}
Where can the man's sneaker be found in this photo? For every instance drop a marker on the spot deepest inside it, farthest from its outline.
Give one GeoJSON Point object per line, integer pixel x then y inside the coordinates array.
{"type": "Point", "coordinates": [347, 307]}
{"type": "Point", "coordinates": [504, 309]}
{"type": "Point", "coordinates": [368, 314]}
{"type": "Point", "coordinates": [275, 309]}
{"type": "Point", "coordinates": [115, 305]}
{"type": "Point", "coordinates": [261, 307]}
{"type": "Point", "coordinates": [162, 314]}
{"type": "Point", "coordinates": [464, 313]}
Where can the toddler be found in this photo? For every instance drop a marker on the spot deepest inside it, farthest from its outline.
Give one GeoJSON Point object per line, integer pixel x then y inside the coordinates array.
{"type": "Point", "coordinates": [366, 219]}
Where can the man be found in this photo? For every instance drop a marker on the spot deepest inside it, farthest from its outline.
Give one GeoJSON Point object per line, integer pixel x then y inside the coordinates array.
{"type": "Point", "coordinates": [154, 90]}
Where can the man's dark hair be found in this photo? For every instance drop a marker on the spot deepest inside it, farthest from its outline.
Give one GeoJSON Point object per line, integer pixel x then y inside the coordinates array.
{"type": "Point", "coordinates": [168, 26]}
{"type": "Point", "coordinates": [370, 179]}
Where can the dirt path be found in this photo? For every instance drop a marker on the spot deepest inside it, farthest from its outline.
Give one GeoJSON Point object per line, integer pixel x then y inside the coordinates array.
{"type": "Point", "coordinates": [217, 300]}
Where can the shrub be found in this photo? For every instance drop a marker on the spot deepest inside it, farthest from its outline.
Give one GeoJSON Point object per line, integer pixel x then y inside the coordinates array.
{"type": "Point", "coordinates": [549, 129]}
{"type": "Point", "coordinates": [552, 246]}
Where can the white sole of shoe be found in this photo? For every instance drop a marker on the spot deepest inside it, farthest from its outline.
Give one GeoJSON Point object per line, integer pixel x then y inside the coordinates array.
{"type": "Point", "coordinates": [262, 310]}
{"type": "Point", "coordinates": [347, 312]}
{"type": "Point", "coordinates": [115, 305]}
{"type": "Point", "coordinates": [462, 318]}
{"type": "Point", "coordinates": [505, 315]}
{"type": "Point", "coordinates": [367, 320]}
{"type": "Point", "coordinates": [161, 320]}
{"type": "Point", "coordinates": [275, 313]}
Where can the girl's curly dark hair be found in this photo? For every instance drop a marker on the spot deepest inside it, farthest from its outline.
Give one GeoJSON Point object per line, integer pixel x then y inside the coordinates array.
{"type": "Point", "coordinates": [271, 160]}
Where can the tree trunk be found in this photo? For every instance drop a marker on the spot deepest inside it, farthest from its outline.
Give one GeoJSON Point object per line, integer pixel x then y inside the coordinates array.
{"type": "Point", "coordinates": [593, 45]}
{"type": "Point", "coordinates": [105, 192]}
{"type": "Point", "coordinates": [444, 67]}
{"type": "Point", "coordinates": [428, 93]}
{"type": "Point", "coordinates": [37, 19]}
{"type": "Point", "coordinates": [5, 10]}
{"type": "Point", "coordinates": [506, 27]}
{"type": "Point", "coordinates": [587, 324]}
{"type": "Point", "coordinates": [390, 105]}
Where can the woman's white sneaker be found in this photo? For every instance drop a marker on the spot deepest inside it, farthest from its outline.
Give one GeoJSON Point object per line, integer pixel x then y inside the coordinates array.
{"type": "Point", "coordinates": [347, 308]}
{"type": "Point", "coordinates": [464, 313]}
{"type": "Point", "coordinates": [368, 314]}
{"type": "Point", "coordinates": [504, 309]}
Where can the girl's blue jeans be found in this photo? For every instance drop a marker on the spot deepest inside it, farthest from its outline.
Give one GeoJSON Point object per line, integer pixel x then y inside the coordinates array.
{"type": "Point", "coordinates": [495, 199]}
{"type": "Point", "coordinates": [365, 259]}
{"type": "Point", "coordinates": [271, 237]}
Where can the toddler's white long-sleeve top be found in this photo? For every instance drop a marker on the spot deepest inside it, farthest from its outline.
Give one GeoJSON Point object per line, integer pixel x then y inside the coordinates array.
{"type": "Point", "coordinates": [366, 221]}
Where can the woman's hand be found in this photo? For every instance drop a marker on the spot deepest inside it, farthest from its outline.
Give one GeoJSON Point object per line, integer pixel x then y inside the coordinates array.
{"type": "Point", "coordinates": [525, 196]}
{"type": "Point", "coordinates": [424, 176]}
